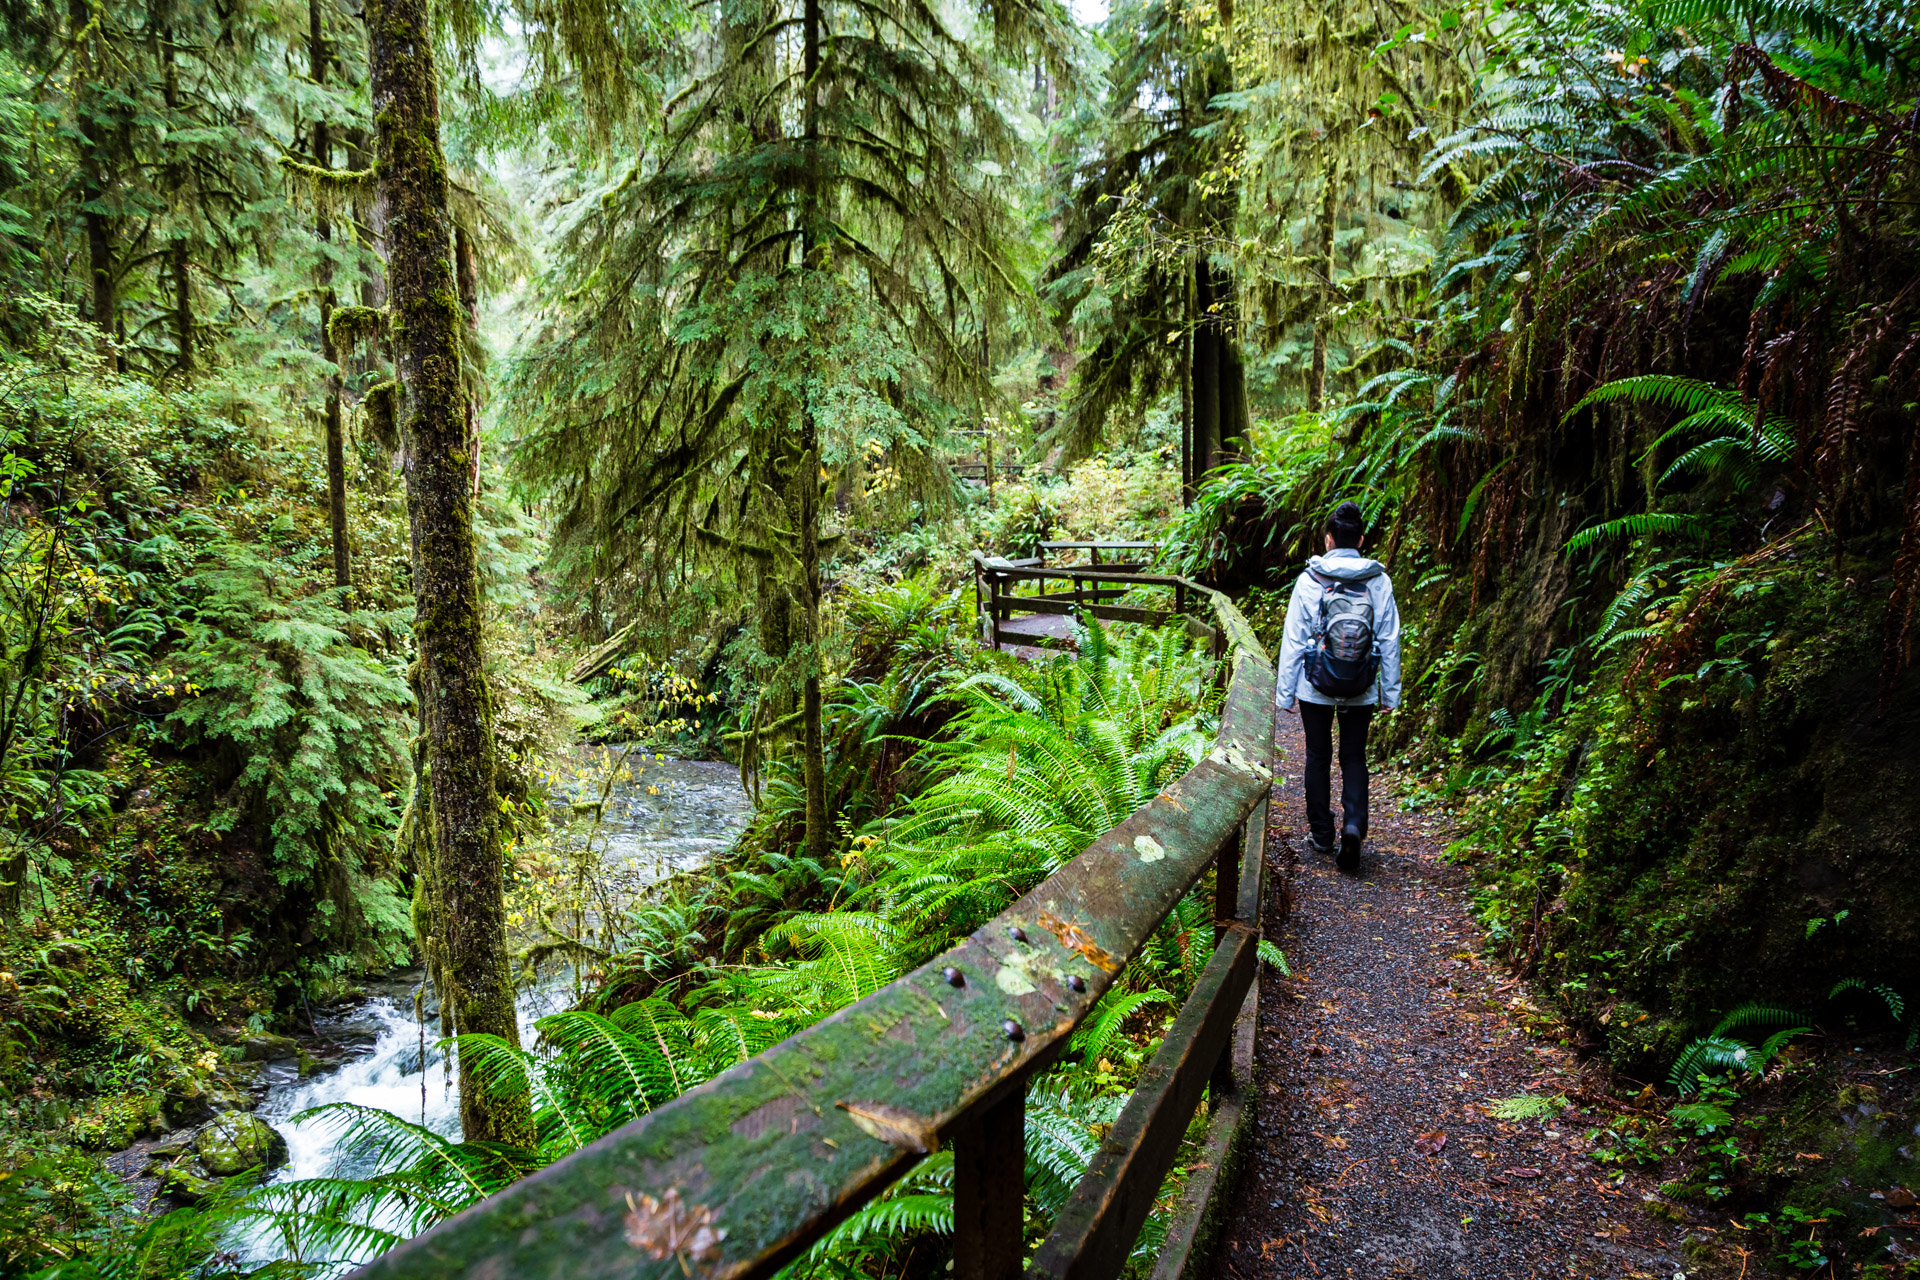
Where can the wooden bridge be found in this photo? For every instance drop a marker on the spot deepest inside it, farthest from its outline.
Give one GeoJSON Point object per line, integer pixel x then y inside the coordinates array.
{"type": "Point", "coordinates": [735, 1178]}
{"type": "Point", "coordinates": [1042, 615]}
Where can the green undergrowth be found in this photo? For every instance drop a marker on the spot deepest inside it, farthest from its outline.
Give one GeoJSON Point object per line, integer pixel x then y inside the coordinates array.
{"type": "Point", "coordinates": [202, 753]}
{"type": "Point", "coordinates": [1720, 812]}
{"type": "Point", "coordinates": [1025, 764]}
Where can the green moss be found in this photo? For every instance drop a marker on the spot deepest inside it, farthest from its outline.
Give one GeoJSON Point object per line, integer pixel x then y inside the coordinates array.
{"type": "Point", "coordinates": [116, 1123]}
{"type": "Point", "coordinates": [1665, 849]}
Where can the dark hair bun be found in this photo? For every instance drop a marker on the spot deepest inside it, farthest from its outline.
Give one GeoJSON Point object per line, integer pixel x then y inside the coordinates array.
{"type": "Point", "coordinates": [1347, 524]}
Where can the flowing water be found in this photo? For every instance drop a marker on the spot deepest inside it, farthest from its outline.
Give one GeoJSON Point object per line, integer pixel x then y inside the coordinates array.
{"type": "Point", "coordinates": [674, 816]}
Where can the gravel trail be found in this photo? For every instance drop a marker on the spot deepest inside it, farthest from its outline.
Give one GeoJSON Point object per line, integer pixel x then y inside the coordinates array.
{"type": "Point", "coordinates": [1375, 1156]}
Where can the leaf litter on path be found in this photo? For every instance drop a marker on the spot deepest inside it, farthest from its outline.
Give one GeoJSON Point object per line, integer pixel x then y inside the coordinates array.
{"type": "Point", "coordinates": [1395, 1166]}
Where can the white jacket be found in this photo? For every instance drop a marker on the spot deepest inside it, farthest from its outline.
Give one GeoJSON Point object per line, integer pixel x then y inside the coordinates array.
{"type": "Point", "coordinates": [1303, 621]}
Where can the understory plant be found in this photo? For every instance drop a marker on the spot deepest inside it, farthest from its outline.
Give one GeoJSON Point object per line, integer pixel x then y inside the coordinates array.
{"type": "Point", "coordinates": [1038, 761]}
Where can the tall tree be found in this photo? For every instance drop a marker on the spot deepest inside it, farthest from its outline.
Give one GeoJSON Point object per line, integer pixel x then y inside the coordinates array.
{"type": "Point", "coordinates": [320, 55]}
{"type": "Point", "coordinates": [465, 879]}
{"type": "Point", "coordinates": [1145, 272]}
{"type": "Point", "coordinates": [803, 274]}
{"type": "Point", "coordinates": [1337, 212]}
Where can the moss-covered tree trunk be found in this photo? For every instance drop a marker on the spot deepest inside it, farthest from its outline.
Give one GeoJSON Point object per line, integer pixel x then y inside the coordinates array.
{"type": "Point", "coordinates": [179, 253]}
{"type": "Point", "coordinates": [1323, 322]}
{"type": "Point", "coordinates": [467, 909]}
{"type": "Point", "coordinates": [323, 231]}
{"type": "Point", "coordinates": [816, 254]}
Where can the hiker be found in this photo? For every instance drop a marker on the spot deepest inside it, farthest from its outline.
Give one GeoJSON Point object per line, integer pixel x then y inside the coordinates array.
{"type": "Point", "coordinates": [1340, 658]}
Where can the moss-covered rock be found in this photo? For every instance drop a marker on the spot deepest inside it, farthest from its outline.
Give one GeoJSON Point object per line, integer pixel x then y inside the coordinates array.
{"type": "Point", "coordinates": [183, 1186]}
{"type": "Point", "coordinates": [116, 1123]}
{"type": "Point", "coordinates": [264, 1046]}
{"type": "Point", "coordinates": [237, 1142]}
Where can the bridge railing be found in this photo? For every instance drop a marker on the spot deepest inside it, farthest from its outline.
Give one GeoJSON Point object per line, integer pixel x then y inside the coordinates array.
{"type": "Point", "coordinates": [1086, 590]}
{"type": "Point", "coordinates": [735, 1178]}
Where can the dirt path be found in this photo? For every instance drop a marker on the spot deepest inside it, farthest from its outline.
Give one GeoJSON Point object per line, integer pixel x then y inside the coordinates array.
{"type": "Point", "coordinates": [1393, 1032]}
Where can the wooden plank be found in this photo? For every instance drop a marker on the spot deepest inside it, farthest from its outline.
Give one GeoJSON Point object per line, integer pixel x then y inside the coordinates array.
{"type": "Point", "coordinates": [1103, 546]}
{"type": "Point", "coordinates": [1096, 1229]}
{"type": "Point", "coordinates": [990, 1192]}
{"type": "Point", "coordinates": [770, 1155]}
{"type": "Point", "coordinates": [1206, 1199]}
{"type": "Point", "coordinates": [1064, 606]}
{"type": "Point", "coordinates": [1098, 575]}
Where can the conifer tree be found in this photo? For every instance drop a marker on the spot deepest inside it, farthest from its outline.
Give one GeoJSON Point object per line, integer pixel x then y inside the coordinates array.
{"type": "Point", "coordinates": [1145, 269]}
{"type": "Point", "coordinates": [155, 178]}
{"type": "Point", "coordinates": [799, 275]}
{"type": "Point", "coordinates": [1337, 216]}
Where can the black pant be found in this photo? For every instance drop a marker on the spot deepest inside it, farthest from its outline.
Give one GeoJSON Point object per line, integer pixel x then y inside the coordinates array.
{"type": "Point", "coordinates": [1317, 719]}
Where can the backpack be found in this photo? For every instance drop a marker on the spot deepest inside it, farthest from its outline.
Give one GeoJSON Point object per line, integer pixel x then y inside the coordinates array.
{"type": "Point", "coordinates": [1343, 660]}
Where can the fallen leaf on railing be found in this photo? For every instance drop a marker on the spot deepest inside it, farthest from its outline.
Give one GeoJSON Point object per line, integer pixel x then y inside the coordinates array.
{"type": "Point", "coordinates": [666, 1228]}
{"type": "Point", "coordinates": [1074, 938]}
{"type": "Point", "coordinates": [894, 1126]}
{"type": "Point", "coordinates": [1430, 1144]}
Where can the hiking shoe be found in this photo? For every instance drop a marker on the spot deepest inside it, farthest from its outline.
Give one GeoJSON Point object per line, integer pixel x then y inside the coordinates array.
{"type": "Point", "coordinates": [1349, 859]}
{"type": "Point", "coordinates": [1314, 846]}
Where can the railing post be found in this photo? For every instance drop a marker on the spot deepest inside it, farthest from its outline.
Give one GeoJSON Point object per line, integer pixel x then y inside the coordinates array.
{"type": "Point", "coordinates": [989, 1191]}
{"type": "Point", "coordinates": [1226, 910]}
{"type": "Point", "coordinates": [979, 595]}
{"type": "Point", "coordinates": [994, 611]}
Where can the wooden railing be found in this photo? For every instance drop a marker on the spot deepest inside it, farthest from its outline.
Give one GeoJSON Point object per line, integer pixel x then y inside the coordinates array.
{"type": "Point", "coordinates": [1083, 590]}
{"type": "Point", "coordinates": [733, 1179]}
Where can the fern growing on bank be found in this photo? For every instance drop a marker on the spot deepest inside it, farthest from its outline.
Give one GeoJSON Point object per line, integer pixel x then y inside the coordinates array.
{"type": "Point", "coordinates": [1041, 760]}
{"type": "Point", "coordinates": [1721, 1051]}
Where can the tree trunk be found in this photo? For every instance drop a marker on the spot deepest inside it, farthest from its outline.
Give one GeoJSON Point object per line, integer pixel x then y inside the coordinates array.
{"type": "Point", "coordinates": [323, 231]}
{"type": "Point", "coordinates": [180, 262]}
{"type": "Point", "coordinates": [1219, 378]}
{"type": "Point", "coordinates": [813, 249]}
{"type": "Point", "coordinates": [1317, 378]}
{"type": "Point", "coordinates": [467, 914]}
{"type": "Point", "coordinates": [1187, 485]}
{"type": "Point", "coordinates": [1205, 373]}
{"type": "Point", "coordinates": [103, 306]}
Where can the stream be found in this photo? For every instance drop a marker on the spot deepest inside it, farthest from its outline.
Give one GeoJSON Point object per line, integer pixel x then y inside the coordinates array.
{"type": "Point", "coordinates": [673, 817]}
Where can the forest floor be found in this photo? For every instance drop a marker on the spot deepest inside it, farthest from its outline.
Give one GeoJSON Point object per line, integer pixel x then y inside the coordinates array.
{"type": "Point", "coordinates": [1375, 1155]}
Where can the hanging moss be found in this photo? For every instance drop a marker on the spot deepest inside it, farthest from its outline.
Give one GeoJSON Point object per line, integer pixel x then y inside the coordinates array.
{"type": "Point", "coordinates": [348, 326]}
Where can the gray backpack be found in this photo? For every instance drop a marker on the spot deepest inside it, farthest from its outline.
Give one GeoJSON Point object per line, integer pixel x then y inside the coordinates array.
{"type": "Point", "coordinates": [1343, 660]}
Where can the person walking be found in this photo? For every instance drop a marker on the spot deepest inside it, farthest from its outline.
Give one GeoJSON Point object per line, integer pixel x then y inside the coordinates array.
{"type": "Point", "coordinates": [1340, 659]}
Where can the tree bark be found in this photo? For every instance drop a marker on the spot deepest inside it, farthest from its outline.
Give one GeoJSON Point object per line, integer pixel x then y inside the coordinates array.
{"type": "Point", "coordinates": [1205, 373]}
{"type": "Point", "coordinates": [180, 260]}
{"type": "Point", "coordinates": [813, 249]}
{"type": "Point", "coordinates": [1317, 378]}
{"type": "Point", "coordinates": [323, 231]}
{"type": "Point", "coordinates": [1219, 378]}
{"type": "Point", "coordinates": [468, 914]}
{"type": "Point", "coordinates": [1187, 485]}
{"type": "Point", "coordinates": [103, 305]}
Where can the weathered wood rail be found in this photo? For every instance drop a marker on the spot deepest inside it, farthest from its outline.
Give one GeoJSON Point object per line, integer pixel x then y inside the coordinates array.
{"type": "Point", "coordinates": [735, 1178]}
{"type": "Point", "coordinates": [1084, 590]}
